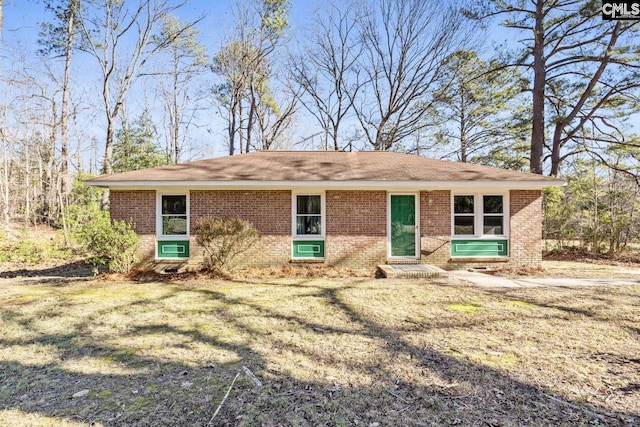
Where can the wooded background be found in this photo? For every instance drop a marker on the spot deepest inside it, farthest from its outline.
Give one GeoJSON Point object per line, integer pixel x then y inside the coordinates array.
{"type": "Point", "coordinates": [545, 86]}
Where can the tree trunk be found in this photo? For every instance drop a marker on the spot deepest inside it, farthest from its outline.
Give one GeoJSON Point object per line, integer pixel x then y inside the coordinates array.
{"type": "Point", "coordinates": [539, 82]}
{"type": "Point", "coordinates": [334, 136]}
{"type": "Point", "coordinates": [175, 132]}
{"type": "Point", "coordinates": [382, 138]}
{"type": "Point", "coordinates": [27, 183]}
{"type": "Point", "coordinates": [463, 130]}
{"type": "Point", "coordinates": [250, 118]}
{"type": "Point", "coordinates": [232, 131]}
{"type": "Point", "coordinates": [64, 139]}
{"type": "Point", "coordinates": [5, 193]}
{"type": "Point", "coordinates": [241, 135]}
{"type": "Point", "coordinates": [108, 155]}
{"type": "Point", "coordinates": [555, 148]}
{"type": "Point", "coordinates": [49, 183]}
{"type": "Point", "coordinates": [5, 174]}
{"type": "Point", "coordinates": [595, 243]}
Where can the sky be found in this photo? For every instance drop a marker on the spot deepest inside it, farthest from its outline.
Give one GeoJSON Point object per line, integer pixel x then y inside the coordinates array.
{"type": "Point", "coordinates": [22, 19]}
{"type": "Point", "coordinates": [22, 23]}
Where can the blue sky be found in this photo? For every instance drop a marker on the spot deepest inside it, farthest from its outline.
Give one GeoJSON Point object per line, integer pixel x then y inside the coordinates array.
{"type": "Point", "coordinates": [22, 23]}
{"type": "Point", "coordinates": [22, 19]}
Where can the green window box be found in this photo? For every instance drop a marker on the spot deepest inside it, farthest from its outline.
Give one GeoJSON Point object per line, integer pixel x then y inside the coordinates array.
{"type": "Point", "coordinates": [480, 248]}
{"type": "Point", "coordinates": [173, 249]}
{"type": "Point", "coordinates": [308, 248]}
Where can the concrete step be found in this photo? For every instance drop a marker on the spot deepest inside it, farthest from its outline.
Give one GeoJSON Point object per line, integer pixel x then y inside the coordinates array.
{"type": "Point", "coordinates": [410, 270]}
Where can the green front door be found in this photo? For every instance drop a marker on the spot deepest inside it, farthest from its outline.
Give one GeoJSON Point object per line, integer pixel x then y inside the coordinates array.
{"type": "Point", "coordinates": [403, 226]}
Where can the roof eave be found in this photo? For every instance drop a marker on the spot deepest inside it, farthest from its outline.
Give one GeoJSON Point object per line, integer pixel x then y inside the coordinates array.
{"type": "Point", "coordinates": [365, 185]}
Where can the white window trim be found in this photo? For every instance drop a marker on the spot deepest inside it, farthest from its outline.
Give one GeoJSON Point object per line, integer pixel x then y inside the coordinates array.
{"type": "Point", "coordinates": [294, 215]}
{"type": "Point", "coordinates": [159, 234]}
{"type": "Point", "coordinates": [478, 215]}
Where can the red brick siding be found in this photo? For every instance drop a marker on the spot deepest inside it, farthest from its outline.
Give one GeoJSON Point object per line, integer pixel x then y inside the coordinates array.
{"type": "Point", "coordinates": [525, 228]}
{"type": "Point", "coordinates": [356, 228]}
{"type": "Point", "coordinates": [356, 225]}
{"type": "Point", "coordinates": [268, 211]}
{"type": "Point", "coordinates": [147, 250]}
{"type": "Point", "coordinates": [435, 213]}
{"type": "Point", "coordinates": [138, 206]}
{"type": "Point", "coordinates": [435, 227]}
{"type": "Point", "coordinates": [356, 213]}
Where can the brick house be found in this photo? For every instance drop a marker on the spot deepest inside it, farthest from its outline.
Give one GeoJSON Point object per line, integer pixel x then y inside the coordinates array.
{"type": "Point", "coordinates": [353, 209]}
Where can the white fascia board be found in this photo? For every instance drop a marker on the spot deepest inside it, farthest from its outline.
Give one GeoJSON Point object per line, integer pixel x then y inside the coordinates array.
{"type": "Point", "coordinates": [327, 185]}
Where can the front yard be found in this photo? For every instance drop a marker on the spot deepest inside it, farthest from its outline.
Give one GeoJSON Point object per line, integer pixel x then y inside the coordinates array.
{"type": "Point", "coordinates": [340, 352]}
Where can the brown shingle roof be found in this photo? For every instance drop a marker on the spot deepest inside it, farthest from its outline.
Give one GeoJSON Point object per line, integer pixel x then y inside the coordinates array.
{"type": "Point", "coordinates": [321, 166]}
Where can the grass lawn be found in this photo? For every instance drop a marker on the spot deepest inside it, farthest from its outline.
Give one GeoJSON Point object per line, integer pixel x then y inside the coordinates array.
{"type": "Point", "coordinates": [337, 352]}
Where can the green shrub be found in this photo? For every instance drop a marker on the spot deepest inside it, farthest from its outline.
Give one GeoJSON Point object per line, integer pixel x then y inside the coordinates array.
{"type": "Point", "coordinates": [33, 251]}
{"type": "Point", "coordinates": [112, 243]}
{"type": "Point", "coordinates": [24, 252]}
{"type": "Point", "coordinates": [222, 239]}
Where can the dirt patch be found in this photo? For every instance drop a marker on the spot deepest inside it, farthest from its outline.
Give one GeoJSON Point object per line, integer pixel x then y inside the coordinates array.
{"type": "Point", "coordinates": [303, 272]}
{"type": "Point", "coordinates": [80, 268]}
{"type": "Point", "coordinates": [289, 271]}
{"type": "Point", "coordinates": [624, 259]}
{"type": "Point", "coordinates": [588, 270]}
{"type": "Point", "coordinates": [579, 264]}
{"type": "Point", "coordinates": [77, 268]}
{"type": "Point", "coordinates": [571, 269]}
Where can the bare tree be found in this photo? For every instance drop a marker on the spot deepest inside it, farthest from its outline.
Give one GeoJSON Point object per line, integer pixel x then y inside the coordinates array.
{"type": "Point", "coordinates": [72, 13]}
{"type": "Point", "coordinates": [119, 36]}
{"type": "Point", "coordinates": [36, 112]}
{"type": "Point", "coordinates": [405, 45]}
{"type": "Point", "coordinates": [229, 95]}
{"type": "Point", "coordinates": [328, 72]}
{"type": "Point", "coordinates": [584, 71]}
{"type": "Point", "coordinates": [5, 169]}
{"type": "Point", "coordinates": [272, 122]}
{"type": "Point", "coordinates": [186, 59]}
{"type": "Point", "coordinates": [245, 66]}
{"type": "Point", "coordinates": [58, 39]}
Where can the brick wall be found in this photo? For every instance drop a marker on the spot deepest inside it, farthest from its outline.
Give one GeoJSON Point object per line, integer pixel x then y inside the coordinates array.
{"type": "Point", "coordinates": [435, 227]}
{"type": "Point", "coordinates": [268, 211]}
{"type": "Point", "coordinates": [525, 233]}
{"type": "Point", "coordinates": [140, 207]}
{"type": "Point", "coordinates": [526, 227]}
{"type": "Point", "coordinates": [525, 236]}
{"type": "Point", "coordinates": [356, 223]}
{"type": "Point", "coordinates": [356, 228]}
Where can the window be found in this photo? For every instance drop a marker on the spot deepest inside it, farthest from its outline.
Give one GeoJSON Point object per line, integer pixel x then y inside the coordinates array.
{"type": "Point", "coordinates": [493, 218]}
{"type": "Point", "coordinates": [309, 215]}
{"type": "Point", "coordinates": [463, 215]}
{"type": "Point", "coordinates": [477, 215]}
{"type": "Point", "coordinates": [174, 215]}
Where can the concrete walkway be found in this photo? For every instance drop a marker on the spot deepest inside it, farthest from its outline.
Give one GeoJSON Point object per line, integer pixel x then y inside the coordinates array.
{"type": "Point", "coordinates": [490, 281]}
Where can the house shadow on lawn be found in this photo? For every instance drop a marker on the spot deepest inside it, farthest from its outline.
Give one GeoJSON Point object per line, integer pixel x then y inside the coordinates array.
{"type": "Point", "coordinates": [71, 270]}
{"type": "Point", "coordinates": [166, 354]}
